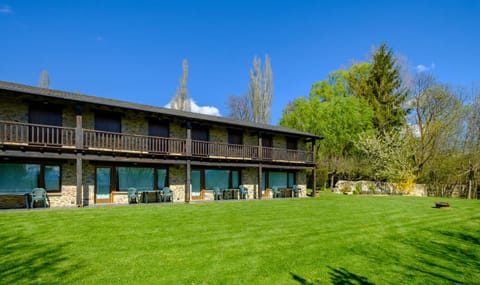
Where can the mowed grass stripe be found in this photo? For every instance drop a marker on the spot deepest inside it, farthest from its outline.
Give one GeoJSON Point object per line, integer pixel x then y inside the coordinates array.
{"type": "Point", "coordinates": [330, 239]}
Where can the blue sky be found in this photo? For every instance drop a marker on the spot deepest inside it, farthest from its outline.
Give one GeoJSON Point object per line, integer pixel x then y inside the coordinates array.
{"type": "Point", "coordinates": [133, 50]}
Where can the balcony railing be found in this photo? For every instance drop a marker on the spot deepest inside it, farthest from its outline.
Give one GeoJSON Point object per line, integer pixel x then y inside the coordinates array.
{"type": "Point", "coordinates": [223, 150]}
{"type": "Point", "coordinates": [247, 152]}
{"type": "Point", "coordinates": [39, 135]}
{"type": "Point", "coordinates": [31, 135]}
{"type": "Point", "coordinates": [100, 140]}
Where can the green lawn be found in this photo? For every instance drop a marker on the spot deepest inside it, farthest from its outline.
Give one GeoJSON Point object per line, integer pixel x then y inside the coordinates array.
{"type": "Point", "coordinates": [332, 239]}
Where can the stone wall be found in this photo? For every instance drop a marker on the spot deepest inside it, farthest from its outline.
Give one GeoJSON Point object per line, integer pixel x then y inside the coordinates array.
{"type": "Point", "coordinates": [13, 109]}
{"type": "Point", "coordinates": [177, 178]}
{"type": "Point", "coordinates": [250, 180]}
{"type": "Point", "coordinates": [219, 135]}
{"type": "Point", "coordinates": [371, 187]}
{"type": "Point", "coordinates": [301, 180]}
{"type": "Point", "coordinates": [134, 123]}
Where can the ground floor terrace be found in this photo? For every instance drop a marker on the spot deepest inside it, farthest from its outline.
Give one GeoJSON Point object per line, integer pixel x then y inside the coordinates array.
{"type": "Point", "coordinates": [74, 183]}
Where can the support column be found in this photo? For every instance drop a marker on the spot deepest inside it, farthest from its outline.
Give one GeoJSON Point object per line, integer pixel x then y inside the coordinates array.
{"type": "Point", "coordinates": [260, 156]}
{"type": "Point", "coordinates": [79, 160]}
{"type": "Point", "coordinates": [188, 180]}
{"type": "Point", "coordinates": [259, 194]}
{"type": "Point", "coordinates": [314, 190]}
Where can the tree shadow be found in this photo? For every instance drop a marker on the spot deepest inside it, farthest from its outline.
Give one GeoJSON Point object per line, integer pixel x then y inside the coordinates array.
{"type": "Point", "coordinates": [342, 276]}
{"type": "Point", "coordinates": [450, 256]}
{"type": "Point", "coordinates": [339, 276]}
{"type": "Point", "coordinates": [26, 261]}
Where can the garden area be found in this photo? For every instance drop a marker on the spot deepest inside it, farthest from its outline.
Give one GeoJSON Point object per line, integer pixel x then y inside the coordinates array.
{"type": "Point", "coordinates": [331, 239]}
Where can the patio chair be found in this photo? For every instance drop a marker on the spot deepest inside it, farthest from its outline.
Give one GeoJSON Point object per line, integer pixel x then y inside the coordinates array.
{"type": "Point", "coordinates": [217, 194]}
{"type": "Point", "coordinates": [167, 194]}
{"type": "Point", "coordinates": [39, 194]}
{"type": "Point", "coordinates": [276, 191]}
{"type": "Point", "coordinates": [133, 195]}
{"type": "Point", "coordinates": [297, 190]}
{"type": "Point", "coordinates": [243, 192]}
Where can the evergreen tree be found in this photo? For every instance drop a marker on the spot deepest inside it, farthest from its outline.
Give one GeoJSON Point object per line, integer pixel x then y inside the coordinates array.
{"type": "Point", "coordinates": [383, 91]}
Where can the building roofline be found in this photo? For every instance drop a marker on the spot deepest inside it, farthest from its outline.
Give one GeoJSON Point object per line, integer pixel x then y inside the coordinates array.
{"type": "Point", "coordinates": [81, 98]}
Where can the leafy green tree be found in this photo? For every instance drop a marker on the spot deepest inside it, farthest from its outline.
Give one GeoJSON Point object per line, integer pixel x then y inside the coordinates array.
{"type": "Point", "coordinates": [333, 112]}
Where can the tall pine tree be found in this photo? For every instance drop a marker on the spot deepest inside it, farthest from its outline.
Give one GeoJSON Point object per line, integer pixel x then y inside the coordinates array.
{"type": "Point", "coordinates": [383, 91]}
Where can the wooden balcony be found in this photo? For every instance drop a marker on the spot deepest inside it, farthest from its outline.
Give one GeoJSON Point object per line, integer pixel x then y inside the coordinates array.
{"type": "Point", "coordinates": [14, 133]}
{"type": "Point", "coordinates": [247, 152]}
{"type": "Point", "coordinates": [23, 136]}
{"type": "Point", "coordinates": [118, 142]}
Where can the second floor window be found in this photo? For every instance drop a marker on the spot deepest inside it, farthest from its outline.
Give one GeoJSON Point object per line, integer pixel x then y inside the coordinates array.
{"type": "Point", "coordinates": [108, 121]}
{"type": "Point", "coordinates": [45, 115]}
{"type": "Point", "coordinates": [292, 144]}
{"type": "Point", "coordinates": [158, 128]}
{"type": "Point", "coordinates": [200, 134]}
{"type": "Point", "coordinates": [235, 137]}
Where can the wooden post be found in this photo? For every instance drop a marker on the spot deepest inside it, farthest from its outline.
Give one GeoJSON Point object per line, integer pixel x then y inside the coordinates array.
{"type": "Point", "coordinates": [79, 148]}
{"type": "Point", "coordinates": [188, 181]}
{"type": "Point", "coordinates": [314, 192]}
{"type": "Point", "coordinates": [260, 156]}
{"type": "Point", "coordinates": [259, 195]}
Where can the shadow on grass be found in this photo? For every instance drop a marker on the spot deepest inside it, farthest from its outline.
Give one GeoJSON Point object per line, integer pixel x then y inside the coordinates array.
{"type": "Point", "coordinates": [344, 277]}
{"type": "Point", "coordinates": [450, 256]}
{"type": "Point", "coordinates": [25, 261]}
{"type": "Point", "coordinates": [339, 276]}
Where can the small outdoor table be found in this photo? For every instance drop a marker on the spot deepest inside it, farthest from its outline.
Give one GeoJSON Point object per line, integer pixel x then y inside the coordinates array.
{"type": "Point", "coordinates": [146, 192]}
{"type": "Point", "coordinates": [231, 194]}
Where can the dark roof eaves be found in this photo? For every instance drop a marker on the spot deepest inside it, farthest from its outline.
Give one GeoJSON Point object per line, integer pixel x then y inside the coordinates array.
{"type": "Point", "coordinates": [77, 97]}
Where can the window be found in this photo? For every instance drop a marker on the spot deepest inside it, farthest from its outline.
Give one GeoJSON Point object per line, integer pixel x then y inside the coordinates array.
{"type": "Point", "coordinates": [138, 177]}
{"type": "Point", "coordinates": [161, 178]}
{"type": "Point", "coordinates": [217, 178]}
{"type": "Point", "coordinates": [209, 178]}
{"type": "Point", "coordinates": [158, 128]}
{"type": "Point", "coordinates": [108, 121]}
{"type": "Point", "coordinates": [292, 143]}
{"type": "Point", "coordinates": [199, 135]}
{"type": "Point", "coordinates": [45, 115]}
{"type": "Point", "coordinates": [142, 178]}
{"type": "Point", "coordinates": [280, 179]}
{"type": "Point", "coordinates": [267, 143]}
{"type": "Point", "coordinates": [19, 178]}
{"type": "Point", "coordinates": [235, 179]}
{"type": "Point", "coordinates": [51, 177]}
{"type": "Point", "coordinates": [235, 137]}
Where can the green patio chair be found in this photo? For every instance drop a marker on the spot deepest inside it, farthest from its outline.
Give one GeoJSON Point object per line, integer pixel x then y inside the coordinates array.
{"type": "Point", "coordinates": [39, 194]}
{"type": "Point", "coordinates": [133, 195]}
{"type": "Point", "coordinates": [243, 192]}
{"type": "Point", "coordinates": [297, 190]}
{"type": "Point", "coordinates": [276, 191]}
{"type": "Point", "coordinates": [167, 194]}
{"type": "Point", "coordinates": [217, 194]}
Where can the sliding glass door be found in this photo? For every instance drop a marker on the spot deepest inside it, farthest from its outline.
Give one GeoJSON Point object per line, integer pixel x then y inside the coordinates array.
{"type": "Point", "coordinates": [103, 185]}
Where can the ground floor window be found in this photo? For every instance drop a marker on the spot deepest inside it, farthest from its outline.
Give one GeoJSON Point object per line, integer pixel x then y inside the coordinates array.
{"type": "Point", "coordinates": [19, 178]}
{"type": "Point", "coordinates": [142, 178]}
{"type": "Point", "coordinates": [210, 178]}
{"type": "Point", "coordinates": [138, 177]}
{"type": "Point", "coordinates": [282, 179]}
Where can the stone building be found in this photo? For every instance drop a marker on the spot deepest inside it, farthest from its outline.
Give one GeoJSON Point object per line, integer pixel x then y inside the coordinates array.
{"type": "Point", "coordinates": [87, 150]}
